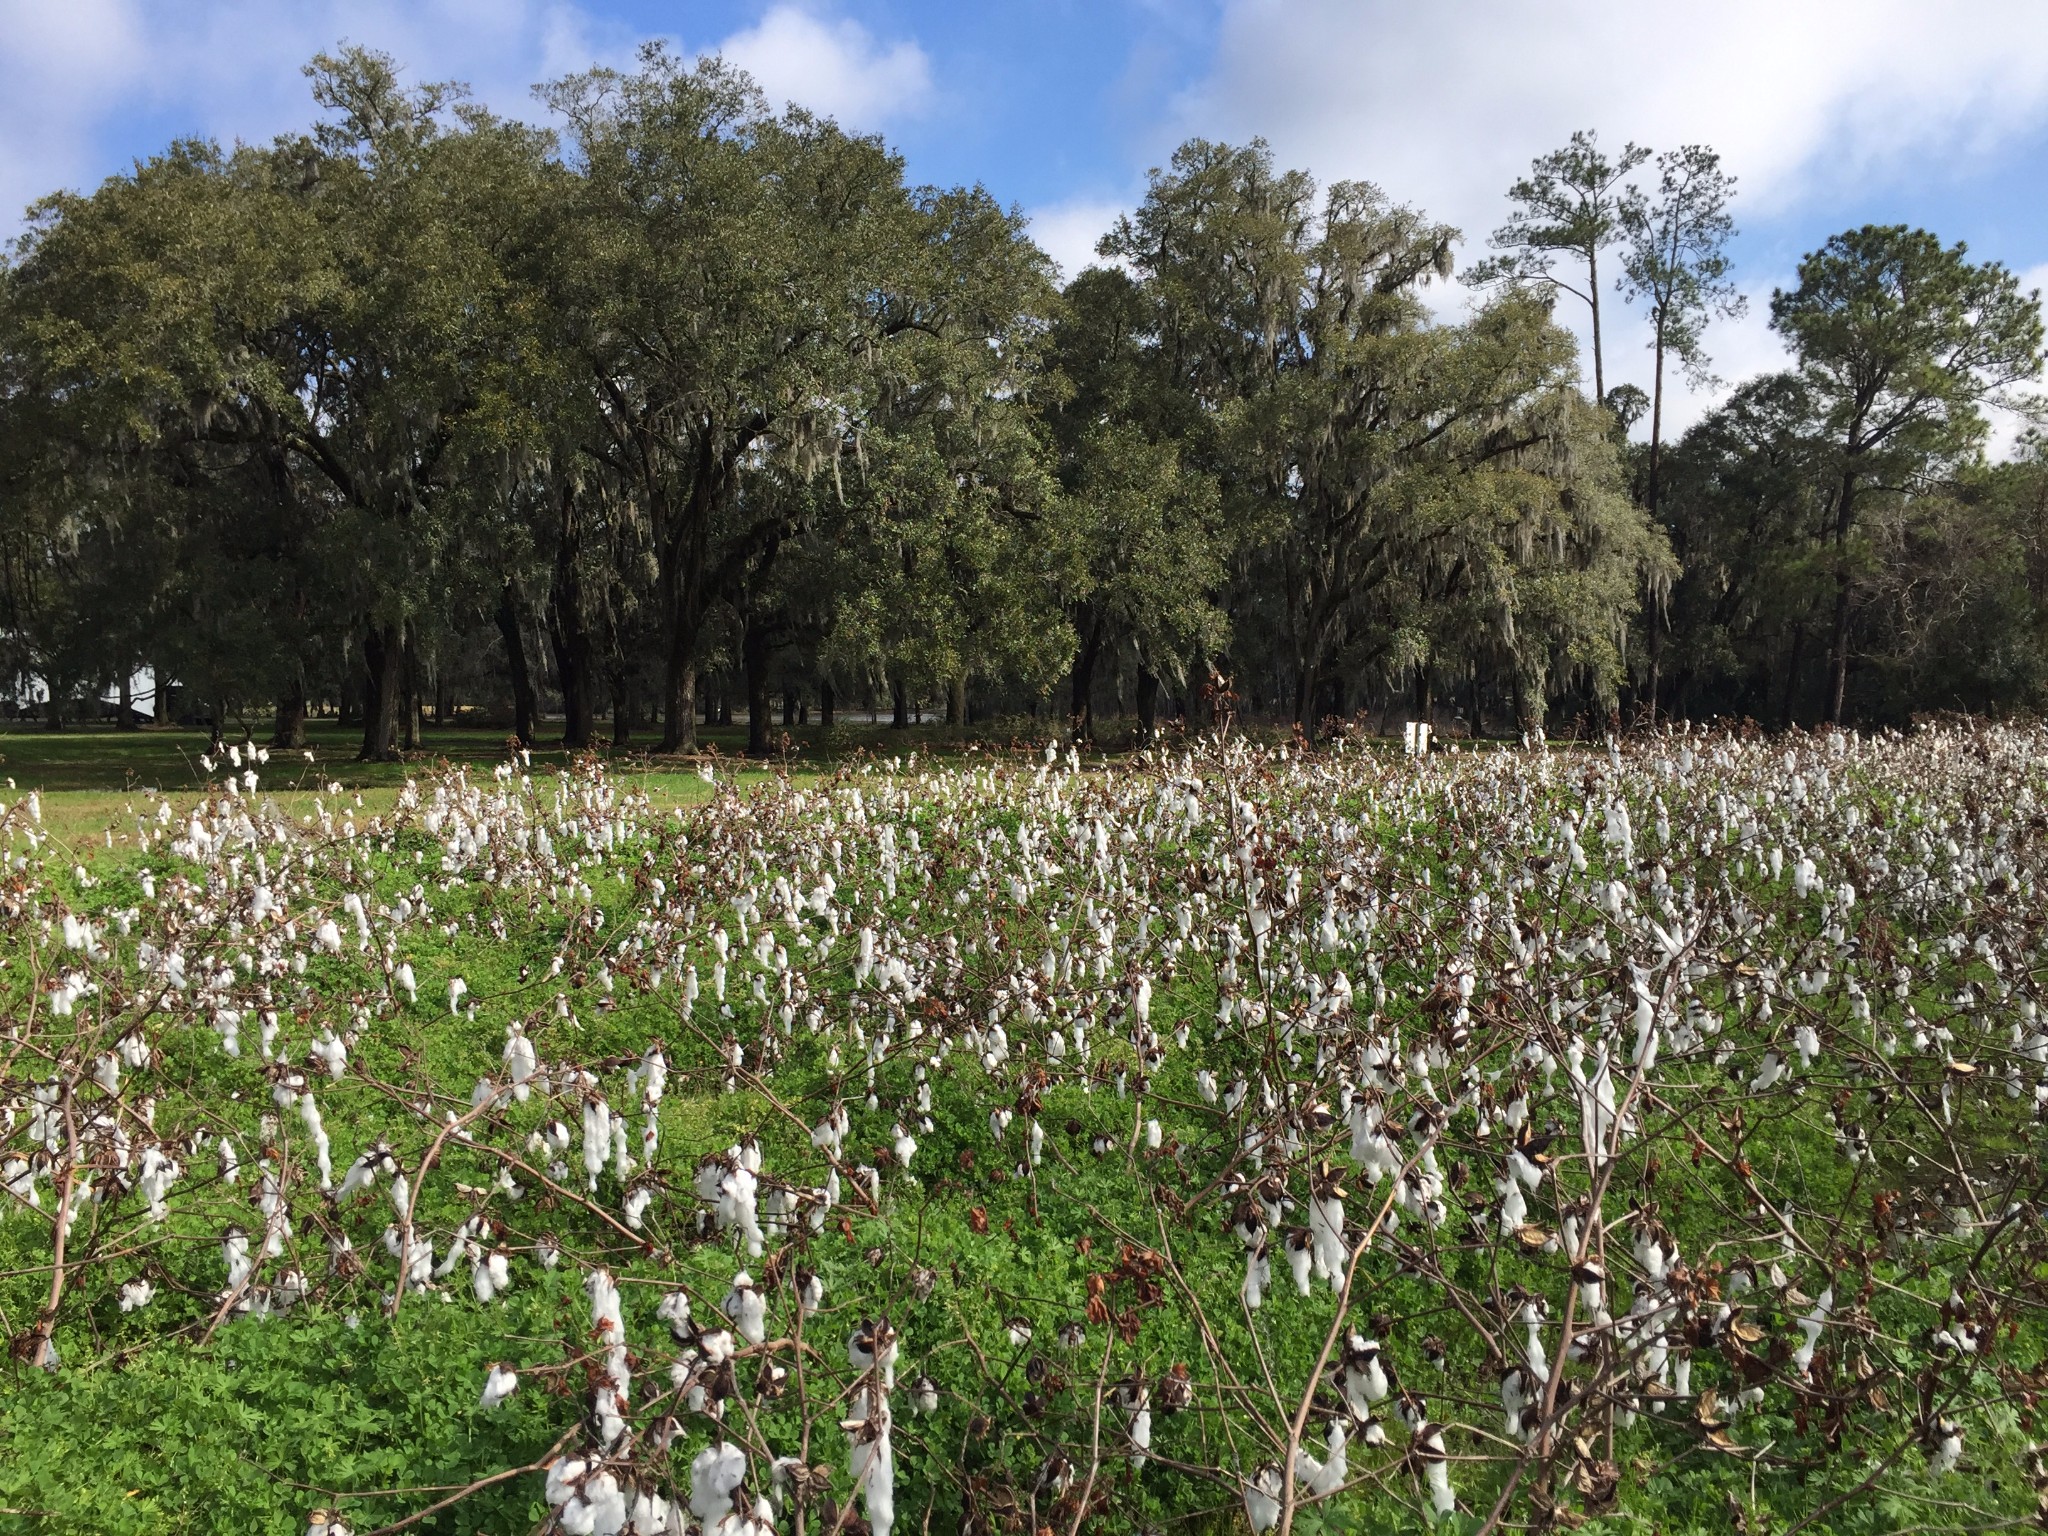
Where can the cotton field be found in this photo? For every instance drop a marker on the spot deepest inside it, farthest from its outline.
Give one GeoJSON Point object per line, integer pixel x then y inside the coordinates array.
{"type": "Point", "coordinates": [1226, 1137]}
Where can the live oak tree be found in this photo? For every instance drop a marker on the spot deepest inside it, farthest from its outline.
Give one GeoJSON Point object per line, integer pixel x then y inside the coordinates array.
{"type": "Point", "coordinates": [1140, 519]}
{"type": "Point", "coordinates": [1901, 341]}
{"type": "Point", "coordinates": [1363, 445]}
{"type": "Point", "coordinates": [699, 388]}
{"type": "Point", "coordinates": [740, 281]}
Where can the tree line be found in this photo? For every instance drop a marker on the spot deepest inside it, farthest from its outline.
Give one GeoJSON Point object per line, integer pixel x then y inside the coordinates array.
{"type": "Point", "coordinates": [689, 404]}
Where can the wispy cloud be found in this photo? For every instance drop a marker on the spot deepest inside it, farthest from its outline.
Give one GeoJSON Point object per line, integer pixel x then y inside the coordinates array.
{"type": "Point", "coordinates": [231, 69]}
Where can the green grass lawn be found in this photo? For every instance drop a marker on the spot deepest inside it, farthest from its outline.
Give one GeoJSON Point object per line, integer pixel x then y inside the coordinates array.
{"type": "Point", "coordinates": [87, 776]}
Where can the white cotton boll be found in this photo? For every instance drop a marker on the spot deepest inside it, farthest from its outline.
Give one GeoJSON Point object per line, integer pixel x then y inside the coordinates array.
{"type": "Point", "coordinates": [499, 1385]}
{"type": "Point", "coordinates": [1153, 1134]}
{"type": "Point", "coordinates": [1438, 1475]}
{"type": "Point", "coordinates": [458, 989]}
{"type": "Point", "coordinates": [1299, 1258]}
{"type": "Point", "coordinates": [605, 1317]}
{"type": "Point", "coordinates": [327, 937]}
{"type": "Point", "coordinates": [563, 1475]}
{"type": "Point", "coordinates": [747, 1308]}
{"type": "Point", "coordinates": [1810, 1328]}
{"type": "Point", "coordinates": [137, 1294]}
{"type": "Point", "coordinates": [1331, 1474]}
{"type": "Point", "coordinates": [1262, 1499]}
{"type": "Point", "coordinates": [1258, 1274]}
{"type": "Point", "coordinates": [234, 1253]}
{"type": "Point", "coordinates": [715, 1473]}
{"type": "Point", "coordinates": [491, 1276]}
{"type": "Point", "coordinates": [1514, 1208]}
{"type": "Point", "coordinates": [873, 1465]}
{"type": "Point", "coordinates": [598, 1508]}
{"type": "Point", "coordinates": [230, 1162]}
{"type": "Point", "coordinates": [674, 1309]}
{"type": "Point", "coordinates": [636, 1206]}
{"type": "Point", "coordinates": [1947, 1441]}
{"type": "Point", "coordinates": [309, 1111]}
{"type": "Point", "coordinates": [407, 982]}
{"type": "Point", "coordinates": [597, 1137]}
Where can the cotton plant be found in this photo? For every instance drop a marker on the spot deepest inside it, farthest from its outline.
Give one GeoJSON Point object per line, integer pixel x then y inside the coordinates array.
{"type": "Point", "coordinates": [1356, 1022]}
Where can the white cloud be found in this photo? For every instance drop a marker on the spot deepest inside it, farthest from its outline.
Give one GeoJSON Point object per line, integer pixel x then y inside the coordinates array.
{"type": "Point", "coordinates": [1067, 232]}
{"type": "Point", "coordinates": [230, 69]}
{"type": "Point", "coordinates": [1443, 106]}
{"type": "Point", "coordinates": [60, 68]}
{"type": "Point", "coordinates": [835, 68]}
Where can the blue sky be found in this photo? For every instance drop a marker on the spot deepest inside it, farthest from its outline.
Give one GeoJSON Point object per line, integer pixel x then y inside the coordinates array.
{"type": "Point", "coordinates": [1831, 112]}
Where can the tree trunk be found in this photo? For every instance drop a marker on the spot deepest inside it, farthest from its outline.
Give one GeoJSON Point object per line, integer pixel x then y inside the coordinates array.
{"type": "Point", "coordinates": [126, 720]}
{"type": "Point", "coordinates": [1425, 697]}
{"type": "Point", "coordinates": [383, 692]}
{"type": "Point", "coordinates": [1529, 705]}
{"type": "Point", "coordinates": [288, 730]}
{"type": "Point", "coordinates": [1148, 706]}
{"type": "Point", "coordinates": [515, 661]}
{"type": "Point", "coordinates": [788, 708]}
{"type": "Point", "coordinates": [755, 654]}
{"type": "Point", "coordinates": [899, 697]}
{"type": "Point", "coordinates": [1656, 417]}
{"type": "Point", "coordinates": [956, 701]}
{"type": "Point", "coordinates": [1838, 646]}
{"type": "Point", "coordinates": [1792, 666]}
{"type": "Point", "coordinates": [572, 666]}
{"type": "Point", "coordinates": [1593, 298]}
{"type": "Point", "coordinates": [409, 727]}
{"type": "Point", "coordinates": [622, 708]}
{"type": "Point", "coordinates": [160, 682]}
{"type": "Point", "coordinates": [569, 634]}
{"type": "Point", "coordinates": [1081, 712]}
{"type": "Point", "coordinates": [827, 703]}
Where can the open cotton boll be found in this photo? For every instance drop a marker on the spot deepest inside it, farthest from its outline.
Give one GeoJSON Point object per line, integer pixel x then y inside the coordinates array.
{"type": "Point", "coordinates": [872, 1462]}
{"type": "Point", "coordinates": [1262, 1498]}
{"type": "Point", "coordinates": [747, 1308]}
{"type": "Point", "coordinates": [715, 1473]}
{"type": "Point", "coordinates": [502, 1382]}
